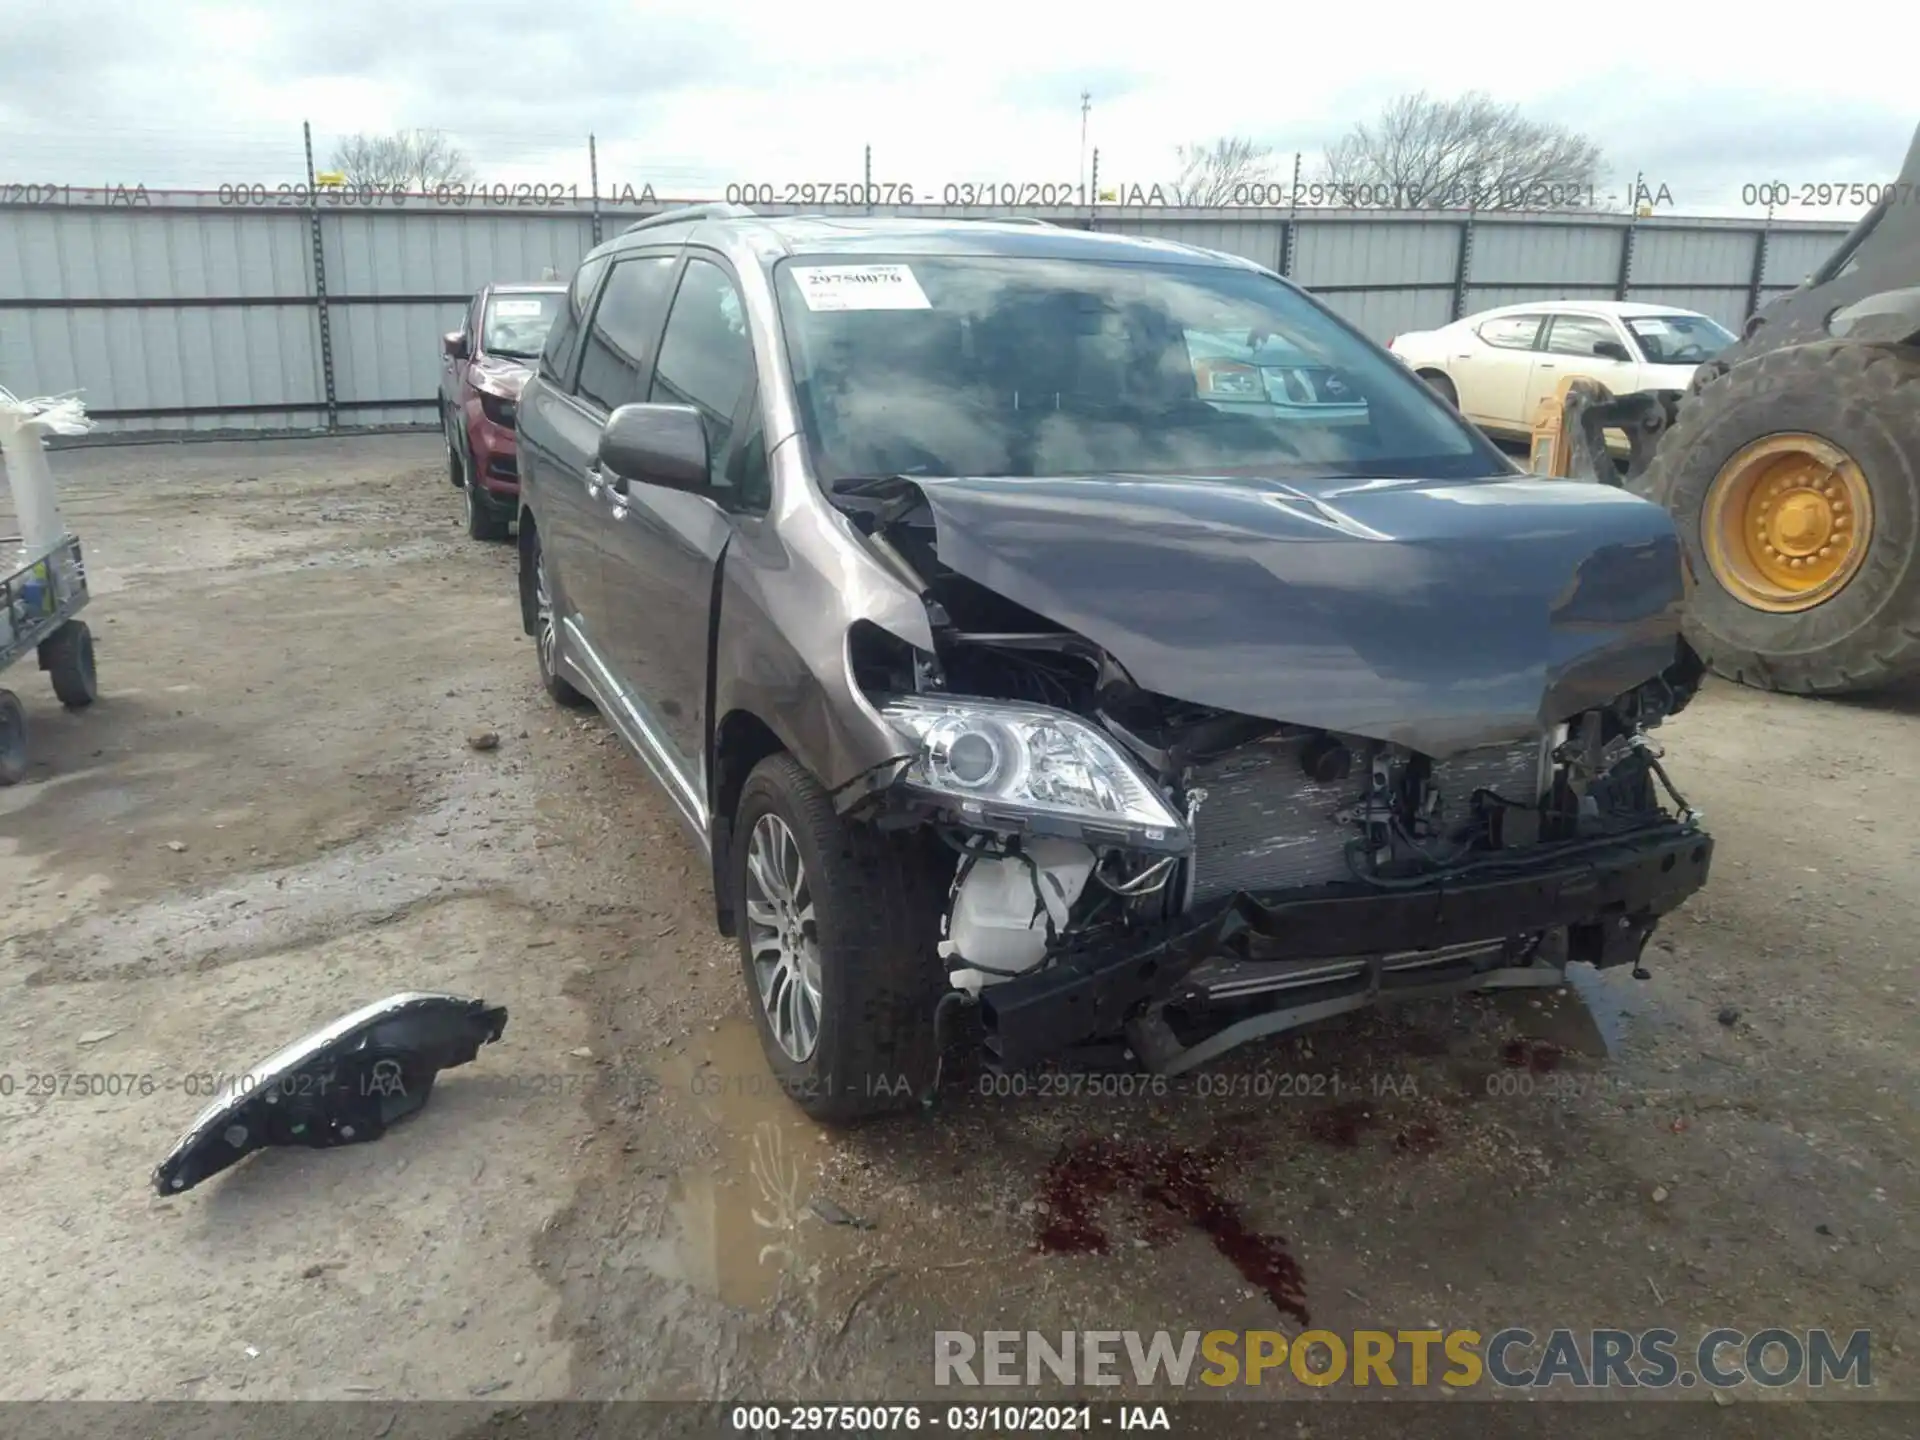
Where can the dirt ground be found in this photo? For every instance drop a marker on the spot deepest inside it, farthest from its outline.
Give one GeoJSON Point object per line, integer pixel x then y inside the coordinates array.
{"type": "Point", "coordinates": [273, 816]}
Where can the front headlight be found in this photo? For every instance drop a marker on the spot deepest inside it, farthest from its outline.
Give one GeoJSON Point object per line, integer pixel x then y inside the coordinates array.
{"type": "Point", "coordinates": [1021, 764]}
{"type": "Point", "coordinates": [498, 408]}
{"type": "Point", "coordinates": [1229, 380]}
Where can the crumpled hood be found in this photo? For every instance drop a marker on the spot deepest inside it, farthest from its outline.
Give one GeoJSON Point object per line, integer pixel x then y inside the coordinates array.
{"type": "Point", "coordinates": [500, 376]}
{"type": "Point", "coordinates": [1436, 614]}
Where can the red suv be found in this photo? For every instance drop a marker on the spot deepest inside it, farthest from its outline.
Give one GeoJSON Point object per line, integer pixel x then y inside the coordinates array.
{"type": "Point", "coordinates": [484, 365]}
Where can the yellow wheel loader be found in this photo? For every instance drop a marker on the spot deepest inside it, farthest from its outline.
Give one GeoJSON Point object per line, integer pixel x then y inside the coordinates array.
{"type": "Point", "coordinates": [1791, 467]}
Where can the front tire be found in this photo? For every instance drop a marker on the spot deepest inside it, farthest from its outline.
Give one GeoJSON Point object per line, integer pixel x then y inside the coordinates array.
{"type": "Point", "coordinates": [482, 522]}
{"type": "Point", "coordinates": [456, 468]}
{"type": "Point", "coordinates": [838, 926]}
{"type": "Point", "coordinates": [1826, 436]}
{"type": "Point", "coordinates": [1441, 386]}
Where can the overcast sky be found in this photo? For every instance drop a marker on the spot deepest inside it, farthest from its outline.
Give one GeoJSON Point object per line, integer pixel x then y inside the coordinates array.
{"type": "Point", "coordinates": [689, 97]}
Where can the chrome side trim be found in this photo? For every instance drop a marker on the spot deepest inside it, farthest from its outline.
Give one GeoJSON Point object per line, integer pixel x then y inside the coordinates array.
{"type": "Point", "coordinates": [640, 733]}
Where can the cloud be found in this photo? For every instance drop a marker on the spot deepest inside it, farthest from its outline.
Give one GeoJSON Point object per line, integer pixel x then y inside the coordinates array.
{"type": "Point", "coordinates": [690, 96]}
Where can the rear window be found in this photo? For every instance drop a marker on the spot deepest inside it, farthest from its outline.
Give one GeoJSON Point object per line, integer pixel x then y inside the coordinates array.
{"type": "Point", "coordinates": [1037, 366]}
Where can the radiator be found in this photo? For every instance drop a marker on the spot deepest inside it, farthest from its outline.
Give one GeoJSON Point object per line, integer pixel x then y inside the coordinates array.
{"type": "Point", "coordinates": [1265, 825]}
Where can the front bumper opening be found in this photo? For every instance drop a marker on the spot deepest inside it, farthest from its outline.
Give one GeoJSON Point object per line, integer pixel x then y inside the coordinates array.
{"type": "Point", "coordinates": [1344, 946]}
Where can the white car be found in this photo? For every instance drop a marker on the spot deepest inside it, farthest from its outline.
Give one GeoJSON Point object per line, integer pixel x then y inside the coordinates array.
{"type": "Point", "coordinates": [1496, 367]}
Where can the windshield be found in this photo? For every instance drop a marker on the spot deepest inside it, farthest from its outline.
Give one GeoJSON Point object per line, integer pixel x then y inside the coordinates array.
{"type": "Point", "coordinates": [955, 365]}
{"type": "Point", "coordinates": [1679, 339]}
{"type": "Point", "coordinates": [516, 325]}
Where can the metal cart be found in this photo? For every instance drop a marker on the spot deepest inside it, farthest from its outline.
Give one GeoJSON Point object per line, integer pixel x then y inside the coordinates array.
{"type": "Point", "coordinates": [43, 579]}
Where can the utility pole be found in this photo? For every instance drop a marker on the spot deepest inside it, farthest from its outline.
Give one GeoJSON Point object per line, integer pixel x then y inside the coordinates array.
{"type": "Point", "coordinates": [1086, 105]}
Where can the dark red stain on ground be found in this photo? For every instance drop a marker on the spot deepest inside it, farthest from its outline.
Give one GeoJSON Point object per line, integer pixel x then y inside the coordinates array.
{"type": "Point", "coordinates": [1341, 1124]}
{"type": "Point", "coordinates": [1539, 1056]}
{"type": "Point", "coordinates": [1420, 1137]}
{"type": "Point", "coordinates": [1174, 1182]}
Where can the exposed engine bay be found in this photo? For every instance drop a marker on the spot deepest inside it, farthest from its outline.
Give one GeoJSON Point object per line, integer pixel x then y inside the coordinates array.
{"type": "Point", "coordinates": [1245, 812]}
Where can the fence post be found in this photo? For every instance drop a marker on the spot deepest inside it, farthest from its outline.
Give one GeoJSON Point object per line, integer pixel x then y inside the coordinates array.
{"type": "Point", "coordinates": [868, 182]}
{"type": "Point", "coordinates": [1463, 267]}
{"type": "Point", "coordinates": [593, 180]}
{"type": "Point", "coordinates": [1627, 239]}
{"type": "Point", "coordinates": [1290, 227]}
{"type": "Point", "coordinates": [1759, 274]}
{"type": "Point", "coordinates": [1093, 194]}
{"type": "Point", "coordinates": [320, 281]}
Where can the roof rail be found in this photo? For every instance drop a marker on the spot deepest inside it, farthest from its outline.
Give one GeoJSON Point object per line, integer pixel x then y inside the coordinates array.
{"type": "Point", "coordinates": [684, 213]}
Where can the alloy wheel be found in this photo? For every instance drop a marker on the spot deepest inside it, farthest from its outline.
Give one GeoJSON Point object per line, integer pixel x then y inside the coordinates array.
{"type": "Point", "coordinates": [783, 937]}
{"type": "Point", "coordinates": [545, 635]}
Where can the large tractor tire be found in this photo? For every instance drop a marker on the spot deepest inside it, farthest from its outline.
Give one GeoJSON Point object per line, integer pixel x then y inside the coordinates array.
{"type": "Point", "coordinates": [1794, 481]}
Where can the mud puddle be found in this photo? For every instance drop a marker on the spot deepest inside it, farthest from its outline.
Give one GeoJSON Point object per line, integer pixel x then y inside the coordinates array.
{"type": "Point", "coordinates": [753, 1218]}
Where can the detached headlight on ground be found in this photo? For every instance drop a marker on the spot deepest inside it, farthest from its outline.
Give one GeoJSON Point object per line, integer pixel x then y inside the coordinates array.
{"type": "Point", "coordinates": [1032, 768]}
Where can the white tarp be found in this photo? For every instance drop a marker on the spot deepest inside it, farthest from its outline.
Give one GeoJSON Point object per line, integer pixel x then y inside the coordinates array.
{"type": "Point", "coordinates": [23, 424]}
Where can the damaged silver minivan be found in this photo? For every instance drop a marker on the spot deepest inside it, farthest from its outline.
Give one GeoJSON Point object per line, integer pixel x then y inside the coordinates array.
{"type": "Point", "coordinates": [994, 666]}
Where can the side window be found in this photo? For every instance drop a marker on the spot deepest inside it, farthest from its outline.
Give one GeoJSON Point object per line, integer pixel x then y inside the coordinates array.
{"type": "Point", "coordinates": [706, 359]}
{"type": "Point", "coordinates": [556, 357]}
{"type": "Point", "coordinates": [471, 326]}
{"type": "Point", "coordinates": [625, 325]}
{"type": "Point", "coordinates": [1511, 332]}
{"type": "Point", "coordinates": [1578, 334]}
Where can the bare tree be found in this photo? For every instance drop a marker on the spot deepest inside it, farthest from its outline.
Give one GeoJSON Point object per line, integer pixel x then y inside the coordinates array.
{"type": "Point", "coordinates": [1227, 172]}
{"type": "Point", "coordinates": [414, 160]}
{"type": "Point", "coordinates": [1424, 153]}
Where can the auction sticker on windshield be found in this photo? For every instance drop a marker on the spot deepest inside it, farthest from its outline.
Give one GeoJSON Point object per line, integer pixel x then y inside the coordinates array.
{"type": "Point", "coordinates": [509, 309]}
{"type": "Point", "coordinates": [860, 287]}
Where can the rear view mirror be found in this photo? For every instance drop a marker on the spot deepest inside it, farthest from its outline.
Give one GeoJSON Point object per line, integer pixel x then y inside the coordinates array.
{"type": "Point", "coordinates": [656, 445]}
{"type": "Point", "coordinates": [1610, 350]}
{"type": "Point", "coordinates": [454, 342]}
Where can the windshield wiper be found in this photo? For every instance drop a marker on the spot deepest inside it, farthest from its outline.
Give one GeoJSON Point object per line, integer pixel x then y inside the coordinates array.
{"type": "Point", "coordinates": [869, 484]}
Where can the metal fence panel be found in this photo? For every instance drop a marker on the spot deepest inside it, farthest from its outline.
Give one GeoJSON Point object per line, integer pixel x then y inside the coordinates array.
{"type": "Point", "coordinates": [1794, 255]}
{"type": "Point", "coordinates": [147, 361]}
{"type": "Point", "coordinates": [1357, 253]}
{"type": "Point", "coordinates": [1380, 316]}
{"type": "Point", "coordinates": [389, 353]}
{"type": "Point", "coordinates": [1489, 297]}
{"type": "Point", "coordinates": [120, 254]}
{"type": "Point", "coordinates": [1664, 256]}
{"type": "Point", "coordinates": [196, 313]}
{"type": "Point", "coordinates": [1510, 252]}
{"type": "Point", "coordinates": [417, 254]}
{"type": "Point", "coordinates": [1258, 240]}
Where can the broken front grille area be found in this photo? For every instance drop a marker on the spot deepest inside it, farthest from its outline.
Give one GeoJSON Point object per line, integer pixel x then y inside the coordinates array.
{"type": "Point", "coordinates": [1266, 824]}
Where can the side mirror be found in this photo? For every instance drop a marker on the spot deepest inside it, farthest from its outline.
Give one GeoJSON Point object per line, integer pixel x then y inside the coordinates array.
{"type": "Point", "coordinates": [454, 342]}
{"type": "Point", "coordinates": [656, 445]}
{"type": "Point", "coordinates": [1610, 350]}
